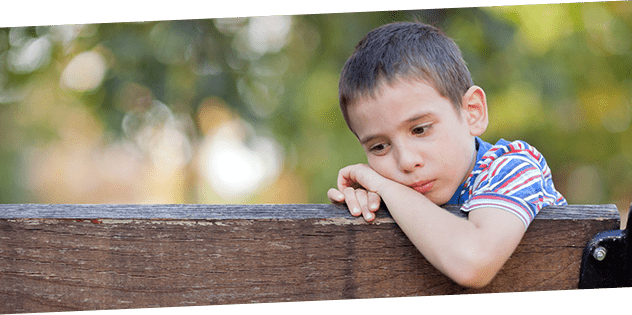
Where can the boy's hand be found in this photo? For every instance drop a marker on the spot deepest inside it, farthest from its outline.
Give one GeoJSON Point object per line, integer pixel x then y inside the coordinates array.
{"type": "Point", "coordinates": [356, 187]}
{"type": "Point", "coordinates": [359, 201]}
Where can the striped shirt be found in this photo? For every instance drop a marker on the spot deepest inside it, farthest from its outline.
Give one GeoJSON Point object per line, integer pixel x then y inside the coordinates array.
{"type": "Point", "coordinates": [512, 176]}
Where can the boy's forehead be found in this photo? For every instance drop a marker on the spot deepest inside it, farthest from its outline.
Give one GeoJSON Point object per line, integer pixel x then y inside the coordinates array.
{"type": "Point", "coordinates": [394, 83]}
{"type": "Point", "coordinates": [415, 89]}
{"type": "Point", "coordinates": [408, 99]}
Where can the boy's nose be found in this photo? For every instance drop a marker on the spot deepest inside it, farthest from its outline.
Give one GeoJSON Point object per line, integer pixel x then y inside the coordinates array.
{"type": "Point", "coordinates": [409, 161]}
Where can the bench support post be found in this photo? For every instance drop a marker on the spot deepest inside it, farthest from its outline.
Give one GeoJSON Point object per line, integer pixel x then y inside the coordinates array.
{"type": "Point", "coordinates": [606, 260]}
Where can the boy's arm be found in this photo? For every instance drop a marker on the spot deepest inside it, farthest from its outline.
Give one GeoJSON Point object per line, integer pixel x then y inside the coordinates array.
{"type": "Point", "coordinates": [470, 251]}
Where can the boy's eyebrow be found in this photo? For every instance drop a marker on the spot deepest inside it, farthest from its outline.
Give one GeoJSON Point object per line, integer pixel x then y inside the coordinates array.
{"type": "Point", "coordinates": [419, 116]}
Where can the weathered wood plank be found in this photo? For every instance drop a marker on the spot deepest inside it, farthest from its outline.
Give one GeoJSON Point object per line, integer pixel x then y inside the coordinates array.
{"type": "Point", "coordinates": [173, 255]}
{"type": "Point", "coordinates": [262, 211]}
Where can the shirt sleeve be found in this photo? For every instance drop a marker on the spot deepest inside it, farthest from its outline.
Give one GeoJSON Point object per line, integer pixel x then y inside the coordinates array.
{"type": "Point", "coordinates": [518, 182]}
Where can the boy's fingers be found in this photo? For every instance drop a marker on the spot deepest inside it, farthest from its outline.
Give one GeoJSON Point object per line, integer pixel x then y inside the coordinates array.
{"type": "Point", "coordinates": [374, 201]}
{"type": "Point", "coordinates": [335, 195]}
{"type": "Point", "coordinates": [344, 181]}
{"type": "Point", "coordinates": [363, 202]}
{"type": "Point", "coordinates": [352, 201]}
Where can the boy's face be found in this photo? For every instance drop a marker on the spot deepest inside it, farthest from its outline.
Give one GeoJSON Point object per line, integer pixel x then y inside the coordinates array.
{"type": "Point", "coordinates": [414, 136]}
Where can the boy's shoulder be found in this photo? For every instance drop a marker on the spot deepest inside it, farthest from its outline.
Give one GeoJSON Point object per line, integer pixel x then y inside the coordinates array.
{"type": "Point", "coordinates": [513, 175]}
{"type": "Point", "coordinates": [504, 150]}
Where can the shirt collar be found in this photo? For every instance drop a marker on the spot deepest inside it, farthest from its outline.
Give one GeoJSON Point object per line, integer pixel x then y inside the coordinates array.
{"type": "Point", "coordinates": [462, 193]}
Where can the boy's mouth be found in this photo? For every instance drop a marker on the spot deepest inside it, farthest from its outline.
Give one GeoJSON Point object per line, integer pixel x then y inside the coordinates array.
{"type": "Point", "coordinates": [423, 187]}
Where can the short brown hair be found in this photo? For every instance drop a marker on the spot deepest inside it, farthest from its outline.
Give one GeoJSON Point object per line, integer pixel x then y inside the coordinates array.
{"type": "Point", "coordinates": [403, 50]}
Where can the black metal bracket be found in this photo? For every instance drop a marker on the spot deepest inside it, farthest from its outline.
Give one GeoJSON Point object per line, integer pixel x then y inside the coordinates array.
{"type": "Point", "coordinates": [607, 258]}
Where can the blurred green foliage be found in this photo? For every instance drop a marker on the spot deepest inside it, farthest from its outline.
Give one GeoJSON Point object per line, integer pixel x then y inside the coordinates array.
{"type": "Point", "coordinates": [556, 75]}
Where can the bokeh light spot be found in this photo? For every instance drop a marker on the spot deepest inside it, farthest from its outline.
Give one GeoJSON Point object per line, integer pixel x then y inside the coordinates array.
{"type": "Point", "coordinates": [84, 72]}
{"type": "Point", "coordinates": [30, 55]}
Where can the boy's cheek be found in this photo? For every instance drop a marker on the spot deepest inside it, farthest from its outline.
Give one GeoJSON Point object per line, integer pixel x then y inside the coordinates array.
{"type": "Point", "coordinates": [377, 167]}
{"type": "Point", "coordinates": [384, 171]}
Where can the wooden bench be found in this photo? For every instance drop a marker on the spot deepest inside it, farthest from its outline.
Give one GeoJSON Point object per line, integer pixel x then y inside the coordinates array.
{"type": "Point", "coordinates": [94, 257]}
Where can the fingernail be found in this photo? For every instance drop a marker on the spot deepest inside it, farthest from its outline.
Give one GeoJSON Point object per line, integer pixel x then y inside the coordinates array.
{"type": "Point", "coordinates": [374, 206]}
{"type": "Point", "coordinates": [355, 210]}
{"type": "Point", "coordinates": [341, 196]}
{"type": "Point", "coordinates": [369, 216]}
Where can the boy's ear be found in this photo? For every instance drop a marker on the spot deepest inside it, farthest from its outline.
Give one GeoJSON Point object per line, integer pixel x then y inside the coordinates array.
{"type": "Point", "coordinates": [474, 110]}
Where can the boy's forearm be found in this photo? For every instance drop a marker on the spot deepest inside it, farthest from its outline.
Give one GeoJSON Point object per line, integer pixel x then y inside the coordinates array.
{"type": "Point", "coordinates": [453, 245]}
{"type": "Point", "coordinates": [470, 252]}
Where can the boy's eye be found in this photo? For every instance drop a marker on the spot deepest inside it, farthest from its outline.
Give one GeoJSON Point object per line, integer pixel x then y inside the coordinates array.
{"type": "Point", "coordinates": [420, 129]}
{"type": "Point", "coordinates": [377, 148]}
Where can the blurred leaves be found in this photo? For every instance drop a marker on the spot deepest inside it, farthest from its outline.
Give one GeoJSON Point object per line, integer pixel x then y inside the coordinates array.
{"type": "Point", "coordinates": [134, 112]}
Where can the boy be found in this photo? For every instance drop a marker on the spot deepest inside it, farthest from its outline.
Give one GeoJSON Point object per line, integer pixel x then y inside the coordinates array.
{"type": "Point", "coordinates": [408, 97]}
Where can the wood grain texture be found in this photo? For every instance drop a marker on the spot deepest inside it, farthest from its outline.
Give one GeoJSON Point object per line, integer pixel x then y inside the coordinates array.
{"type": "Point", "coordinates": [172, 255]}
{"type": "Point", "coordinates": [260, 211]}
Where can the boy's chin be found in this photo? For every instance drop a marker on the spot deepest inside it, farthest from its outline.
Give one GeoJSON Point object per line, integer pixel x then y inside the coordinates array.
{"type": "Point", "coordinates": [437, 198]}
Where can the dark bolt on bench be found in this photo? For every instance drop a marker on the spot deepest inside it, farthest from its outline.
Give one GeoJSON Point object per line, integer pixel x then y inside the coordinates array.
{"type": "Point", "coordinates": [96, 257]}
